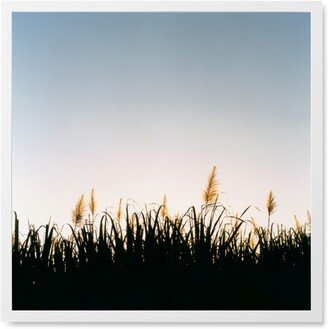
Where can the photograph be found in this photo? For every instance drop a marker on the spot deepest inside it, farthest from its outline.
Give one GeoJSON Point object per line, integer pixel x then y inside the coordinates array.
{"type": "Point", "coordinates": [161, 161]}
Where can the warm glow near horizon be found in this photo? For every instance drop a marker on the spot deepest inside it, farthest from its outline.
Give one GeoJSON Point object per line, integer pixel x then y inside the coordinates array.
{"type": "Point", "coordinates": [139, 106]}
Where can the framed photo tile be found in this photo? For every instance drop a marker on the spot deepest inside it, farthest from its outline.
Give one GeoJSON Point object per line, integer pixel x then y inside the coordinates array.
{"type": "Point", "coordinates": [161, 161]}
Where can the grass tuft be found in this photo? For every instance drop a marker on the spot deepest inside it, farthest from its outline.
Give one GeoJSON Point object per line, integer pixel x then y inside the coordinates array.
{"type": "Point", "coordinates": [211, 192]}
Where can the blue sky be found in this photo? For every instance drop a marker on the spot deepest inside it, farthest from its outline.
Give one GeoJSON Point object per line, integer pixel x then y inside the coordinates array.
{"type": "Point", "coordinates": [138, 105]}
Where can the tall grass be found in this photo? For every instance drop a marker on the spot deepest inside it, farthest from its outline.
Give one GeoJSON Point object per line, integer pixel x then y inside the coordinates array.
{"type": "Point", "coordinates": [211, 192]}
{"type": "Point", "coordinates": [203, 259]}
{"type": "Point", "coordinates": [197, 250]}
{"type": "Point", "coordinates": [79, 211]}
{"type": "Point", "coordinates": [271, 206]}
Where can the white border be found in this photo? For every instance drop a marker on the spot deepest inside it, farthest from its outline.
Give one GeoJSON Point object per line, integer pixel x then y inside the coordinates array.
{"type": "Point", "coordinates": [313, 7]}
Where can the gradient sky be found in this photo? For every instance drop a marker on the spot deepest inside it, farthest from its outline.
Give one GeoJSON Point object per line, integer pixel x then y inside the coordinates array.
{"type": "Point", "coordinates": [138, 105]}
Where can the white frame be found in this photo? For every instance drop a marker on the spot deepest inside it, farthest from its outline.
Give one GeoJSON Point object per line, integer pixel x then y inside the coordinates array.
{"type": "Point", "coordinates": [313, 7]}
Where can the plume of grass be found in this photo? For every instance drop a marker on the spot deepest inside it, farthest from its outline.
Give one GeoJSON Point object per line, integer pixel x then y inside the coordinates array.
{"type": "Point", "coordinates": [78, 212]}
{"type": "Point", "coordinates": [298, 225]}
{"type": "Point", "coordinates": [308, 221]}
{"type": "Point", "coordinates": [164, 209]}
{"type": "Point", "coordinates": [211, 191]}
{"type": "Point", "coordinates": [270, 205]}
{"type": "Point", "coordinates": [252, 242]}
{"type": "Point", "coordinates": [120, 210]}
{"type": "Point", "coordinates": [93, 203]}
{"type": "Point", "coordinates": [309, 218]}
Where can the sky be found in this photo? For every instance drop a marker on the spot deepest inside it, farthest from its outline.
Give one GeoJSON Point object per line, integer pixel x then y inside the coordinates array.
{"type": "Point", "coordinates": [138, 105]}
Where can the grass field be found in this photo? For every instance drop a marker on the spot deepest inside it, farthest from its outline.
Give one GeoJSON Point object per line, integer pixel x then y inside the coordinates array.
{"type": "Point", "coordinates": [204, 259]}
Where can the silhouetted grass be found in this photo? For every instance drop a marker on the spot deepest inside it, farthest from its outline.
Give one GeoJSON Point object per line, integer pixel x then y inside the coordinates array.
{"type": "Point", "coordinates": [153, 261]}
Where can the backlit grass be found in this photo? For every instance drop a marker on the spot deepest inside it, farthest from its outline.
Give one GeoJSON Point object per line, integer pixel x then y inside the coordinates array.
{"type": "Point", "coordinates": [147, 260]}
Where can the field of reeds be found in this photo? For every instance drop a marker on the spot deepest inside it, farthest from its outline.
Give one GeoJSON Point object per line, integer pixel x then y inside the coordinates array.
{"type": "Point", "coordinates": [205, 259]}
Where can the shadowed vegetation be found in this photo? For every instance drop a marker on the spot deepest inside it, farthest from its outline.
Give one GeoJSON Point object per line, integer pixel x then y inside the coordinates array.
{"type": "Point", "coordinates": [149, 260]}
